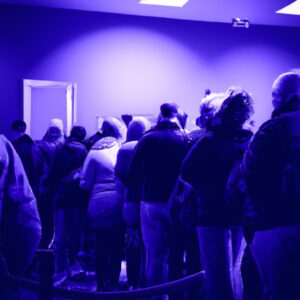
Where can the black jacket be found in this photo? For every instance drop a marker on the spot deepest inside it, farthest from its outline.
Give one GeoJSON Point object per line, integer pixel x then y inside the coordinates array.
{"type": "Point", "coordinates": [65, 177]}
{"type": "Point", "coordinates": [156, 163]}
{"type": "Point", "coordinates": [33, 161]}
{"type": "Point", "coordinates": [271, 171]}
{"type": "Point", "coordinates": [207, 168]}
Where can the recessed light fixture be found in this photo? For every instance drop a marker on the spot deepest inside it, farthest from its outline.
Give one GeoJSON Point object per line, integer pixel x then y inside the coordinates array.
{"type": "Point", "coordinates": [174, 3]}
{"type": "Point", "coordinates": [291, 9]}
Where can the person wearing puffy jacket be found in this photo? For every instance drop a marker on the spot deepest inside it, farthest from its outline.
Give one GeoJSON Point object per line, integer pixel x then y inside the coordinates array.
{"type": "Point", "coordinates": [105, 204]}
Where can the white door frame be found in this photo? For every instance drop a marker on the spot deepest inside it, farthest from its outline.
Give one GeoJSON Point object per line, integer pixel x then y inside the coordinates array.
{"type": "Point", "coordinates": [71, 100]}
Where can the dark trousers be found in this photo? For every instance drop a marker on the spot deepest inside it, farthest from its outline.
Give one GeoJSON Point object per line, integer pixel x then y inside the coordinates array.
{"type": "Point", "coordinates": [68, 229]}
{"type": "Point", "coordinates": [109, 254]}
{"type": "Point", "coordinates": [46, 211]}
{"type": "Point", "coordinates": [135, 258]}
{"type": "Point", "coordinates": [183, 242]}
{"type": "Point", "coordinates": [252, 284]}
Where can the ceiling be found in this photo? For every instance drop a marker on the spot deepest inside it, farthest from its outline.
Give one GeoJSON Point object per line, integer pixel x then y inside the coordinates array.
{"type": "Point", "coordinates": [257, 11]}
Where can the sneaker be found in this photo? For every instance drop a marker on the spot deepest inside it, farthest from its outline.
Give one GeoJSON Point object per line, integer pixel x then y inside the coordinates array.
{"type": "Point", "coordinates": [59, 279]}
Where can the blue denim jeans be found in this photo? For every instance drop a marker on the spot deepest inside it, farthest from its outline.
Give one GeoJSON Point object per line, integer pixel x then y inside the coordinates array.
{"type": "Point", "coordinates": [277, 253]}
{"type": "Point", "coordinates": [221, 255]}
{"type": "Point", "coordinates": [154, 224]}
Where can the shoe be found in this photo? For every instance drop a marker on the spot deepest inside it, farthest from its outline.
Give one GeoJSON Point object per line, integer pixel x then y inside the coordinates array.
{"type": "Point", "coordinates": [78, 276]}
{"type": "Point", "coordinates": [59, 279]}
{"type": "Point", "coordinates": [74, 270]}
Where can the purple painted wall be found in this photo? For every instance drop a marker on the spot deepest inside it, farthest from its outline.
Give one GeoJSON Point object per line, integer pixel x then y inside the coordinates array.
{"type": "Point", "coordinates": [128, 64]}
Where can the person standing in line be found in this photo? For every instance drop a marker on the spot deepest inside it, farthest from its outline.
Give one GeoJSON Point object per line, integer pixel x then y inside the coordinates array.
{"type": "Point", "coordinates": [270, 175]}
{"type": "Point", "coordinates": [31, 156]}
{"type": "Point", "coordinates": [69, 202]}
{"type": "Point", "coordinates": [184, 252]}
{"type": "Point", "coordinates": [50, 143]}
{"type": "Point", "coordinates": [135, 251]}
{"type": "Point", "coordinates": [153, 172]}
{"type": "Point", "coordinates": [206, 168]}
{"type": "Point", "coordinates": [105, 204]}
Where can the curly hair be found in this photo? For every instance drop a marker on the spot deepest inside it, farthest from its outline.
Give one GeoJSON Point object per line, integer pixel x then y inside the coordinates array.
{"type": "Point", "coordinates": [235, 110]}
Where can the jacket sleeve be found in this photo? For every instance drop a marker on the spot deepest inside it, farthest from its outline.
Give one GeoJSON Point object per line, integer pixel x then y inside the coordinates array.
{"type": "Point", "coordinates": [263, 161]}
{"type": "Point", "coordinates": [20, 219]}
{"type": "Point", "coordinates": [88, 173]}
{"type": "Point", "coordinates": [120, 168]}
{"type": "Point", "coordinates": [137, 171]}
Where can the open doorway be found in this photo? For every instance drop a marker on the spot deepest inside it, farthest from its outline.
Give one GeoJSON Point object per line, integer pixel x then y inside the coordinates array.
{"type": "Point", "coordinates": [44, 100]}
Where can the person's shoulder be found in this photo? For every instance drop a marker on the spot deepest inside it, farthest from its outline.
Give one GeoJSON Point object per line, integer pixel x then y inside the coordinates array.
{"type": "Point", "coordinates": [46, 146]}
{"type": "Point", "coordinates": [27, 138]}
{"type": "Point", "coordinates": [289, 117]}
{"type": "Point", "coordinates": [272, 134]}
{"type": "Point", "coordinates": [98, 154]}
{"type": "Point", "coordinates": [76, 146]}
{"type": "Point", "coordinates": [3, 138]}
{"type": "Point", "coordinates": [92, 156]}
{"type": "Point", "coordinates": [128, 146]}
{"type": "Point", "coordinates": [270, 123]}
{"type": "Point", "coordinates": [6, 144]}
{"type": "Point", "coordinates": [279, 121]}
{"type": "Point", "coordinates": [206, 137]}
{"type": "Point", "coordinates": [6, 151]}
{"type": "Point", "coordinates": [271, 128]}
{"type": "Point", "coordinates": [3, 144]}
{"type": "Point", "coordinates": [147, 137]}
{"type": "Point", "coordinates": [206, 140]}
{"type": "Point", "coordinates": [106, 143]}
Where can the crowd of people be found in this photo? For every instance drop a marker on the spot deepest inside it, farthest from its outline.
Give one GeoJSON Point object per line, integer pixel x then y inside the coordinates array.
{"type": "Point", "coordinates": [168, 201]}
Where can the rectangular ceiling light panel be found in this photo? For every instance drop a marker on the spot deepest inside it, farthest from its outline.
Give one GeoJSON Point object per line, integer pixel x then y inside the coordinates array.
{"type": "Point", "coordinates": [174, 3]}
{"type": "Point", "coordinates": [292, 9]}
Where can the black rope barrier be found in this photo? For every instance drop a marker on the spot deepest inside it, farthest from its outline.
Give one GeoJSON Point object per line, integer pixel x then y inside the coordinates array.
{"type": "Point", "coordinates": [170, 287]}
{"type": "Point", "coordinates": [47, 291]}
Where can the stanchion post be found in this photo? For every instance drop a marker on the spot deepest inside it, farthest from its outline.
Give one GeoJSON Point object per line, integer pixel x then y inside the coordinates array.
{"type": "Point", "coordinates": [46, 259]}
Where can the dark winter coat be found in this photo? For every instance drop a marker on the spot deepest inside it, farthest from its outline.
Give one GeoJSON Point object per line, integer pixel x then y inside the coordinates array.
{"type": "Point", "coordinates": [207, 168]}
{"type": "Point", "coordinates": [271, 171]}
{"type": "Point", "coordinates": [32, 159]}
{"type": "Point", "coordinates": [156, 163]}
{"type": "Point", "coordinates": [69, 160]}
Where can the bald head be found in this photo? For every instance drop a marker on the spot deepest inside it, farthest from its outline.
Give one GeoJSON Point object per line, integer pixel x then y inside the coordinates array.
{"type": "Point", "coordinates": [286, 90]}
